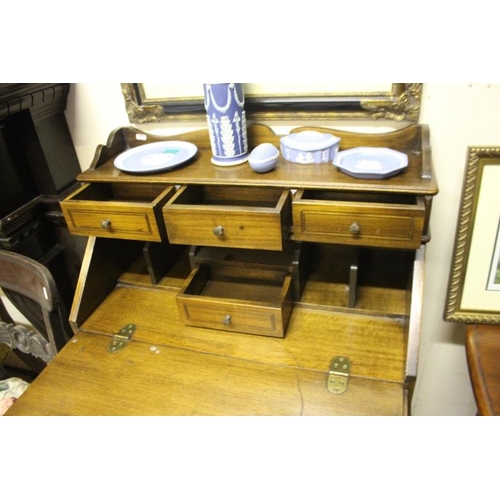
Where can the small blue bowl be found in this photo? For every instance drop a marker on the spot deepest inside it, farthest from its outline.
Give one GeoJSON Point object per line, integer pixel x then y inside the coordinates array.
{"type": "Point", "coordinates": [309, 146]}
{"type": "Point", "coordinates": [264, 157]}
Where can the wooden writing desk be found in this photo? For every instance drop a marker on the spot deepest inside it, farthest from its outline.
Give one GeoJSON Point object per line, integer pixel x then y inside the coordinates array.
{"type": "Point", "coordinates": [352, 296]}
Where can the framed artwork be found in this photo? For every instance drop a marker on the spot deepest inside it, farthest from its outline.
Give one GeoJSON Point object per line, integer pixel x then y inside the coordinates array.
{"type": "Point", "coordinates": [474, 285]}
{"type": "Point", "coordinates": [160, 102]}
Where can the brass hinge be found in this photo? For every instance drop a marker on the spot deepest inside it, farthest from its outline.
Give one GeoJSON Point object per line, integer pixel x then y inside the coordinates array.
{"type": "Point", "coordinates": [338, 374]}
{"type": "Point", "coordinates": [121, 338]}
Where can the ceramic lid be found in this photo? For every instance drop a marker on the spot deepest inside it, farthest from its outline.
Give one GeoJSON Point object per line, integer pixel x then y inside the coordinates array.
{"type": "Point", "coordinates": [309, 140]}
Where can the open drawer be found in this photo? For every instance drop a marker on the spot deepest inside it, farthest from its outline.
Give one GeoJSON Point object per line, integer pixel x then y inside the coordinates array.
{"type": "Point", "coordinates": [235, 217]}
{"type": "Point", "coordinates": [256, 301]}
{"type": "Point", "coordinates": [125, 211]}
{"type": "Point", "coordinates": [371, 219]}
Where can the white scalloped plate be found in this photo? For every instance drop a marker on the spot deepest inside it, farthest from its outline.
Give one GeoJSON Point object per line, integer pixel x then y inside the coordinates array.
{"type": "Point", "coordinates": [371, 163]}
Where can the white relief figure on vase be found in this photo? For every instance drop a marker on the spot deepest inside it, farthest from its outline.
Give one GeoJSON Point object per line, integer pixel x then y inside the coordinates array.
{"type": "Point", "coordinates": [213, 129]}
{"type": "Point", "coordinates": [224, 103]}
{"type": "Point", "coordinates": [226, 132]}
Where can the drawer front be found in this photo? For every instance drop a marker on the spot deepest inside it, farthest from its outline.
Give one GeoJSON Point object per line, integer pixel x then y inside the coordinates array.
{"type": "Point", "coordinates": [224, 229]}
{"type": "Point", "coordinates": [139, 224]}
{"type": "Point", "coordinates": [237, 299]}
{"type": "Point", "coordinates": [92, 211]}
{"type": "Point", "coordinates": [398, 226]}
{"type": "Point", "coordinates": [233, 318]}
{"type": "Point", "coordinates": [229, 226]}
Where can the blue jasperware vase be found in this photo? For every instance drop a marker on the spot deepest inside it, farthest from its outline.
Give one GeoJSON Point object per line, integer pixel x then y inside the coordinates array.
{"type": "Point", "coordinates": [224, 103]}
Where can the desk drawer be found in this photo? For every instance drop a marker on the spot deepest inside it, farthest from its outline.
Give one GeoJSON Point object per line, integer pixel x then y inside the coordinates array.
{"type": "Point", "coordinates": [394, 221]}
{"type": "Point", "coordinates": [232, 217]}
{"type": "Point", "coordinates": [126, 211]}
{"type": "Point", "coordinates": [237, 299]}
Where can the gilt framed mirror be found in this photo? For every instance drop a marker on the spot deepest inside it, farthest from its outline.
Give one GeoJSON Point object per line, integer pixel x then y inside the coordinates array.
{"type": "Point", "coordinates": [162, 102]}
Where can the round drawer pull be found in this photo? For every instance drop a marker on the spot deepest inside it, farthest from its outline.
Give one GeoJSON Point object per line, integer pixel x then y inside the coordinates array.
{"type": "Point", "coordinates": [219, 231]}
{"type": "Point", "coordinates": [106, 224]}
{"type": "Point", "coordinates": [226, 320]}
{"type": "Point", "coordinates": [354, 228]}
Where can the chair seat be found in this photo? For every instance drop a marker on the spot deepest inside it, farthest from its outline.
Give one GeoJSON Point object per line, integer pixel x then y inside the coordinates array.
{"type": "Point", "coordinates": [483, 352]}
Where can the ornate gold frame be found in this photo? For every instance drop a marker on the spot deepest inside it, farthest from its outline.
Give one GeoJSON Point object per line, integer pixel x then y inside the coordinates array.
{"type": "Point", "coordinates": [402, 103]}
{"type": "Point", "coordinates": [455, 310]}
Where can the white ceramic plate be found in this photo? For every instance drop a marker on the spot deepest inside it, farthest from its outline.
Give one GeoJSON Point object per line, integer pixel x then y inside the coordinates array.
{"type": "Point", "coordinates": [371, 163]}
{"type": "Point", "coordinates": [155, 157]}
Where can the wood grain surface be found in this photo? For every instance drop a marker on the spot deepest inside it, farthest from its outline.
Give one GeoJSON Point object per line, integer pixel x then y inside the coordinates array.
{"type": "Point", "coordinates": [483, 350]}
{"type": "Point", "coordinates": [144, 379]}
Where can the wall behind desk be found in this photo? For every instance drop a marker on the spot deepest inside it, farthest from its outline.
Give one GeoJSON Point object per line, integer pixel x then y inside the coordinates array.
{"type": "Point", "coordinates": [458, 115]}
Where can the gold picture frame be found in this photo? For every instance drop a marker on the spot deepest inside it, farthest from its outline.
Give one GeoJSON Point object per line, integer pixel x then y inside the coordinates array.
{"type": "Point", "coordinates": [391, 101]}
{"type": "Point", "coordinates": [474, 284]}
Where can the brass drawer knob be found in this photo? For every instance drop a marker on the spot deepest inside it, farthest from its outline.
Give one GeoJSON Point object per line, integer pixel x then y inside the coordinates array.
{"type": "Point", "coordinates": [226, 320]}
{"type": "Point", "coordinates": [106, 224]}
{"type": "Point", "coordinates": [219, 231]}
{"type": "Point", "coordinates": [354, 228]}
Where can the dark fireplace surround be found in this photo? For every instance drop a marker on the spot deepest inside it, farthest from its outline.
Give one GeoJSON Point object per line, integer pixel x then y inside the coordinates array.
{"type": "Point", "coordinates": [38, 168]}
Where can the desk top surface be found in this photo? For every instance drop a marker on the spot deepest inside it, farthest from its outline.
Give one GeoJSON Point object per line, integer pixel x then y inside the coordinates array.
{"type": "Point", "coordinates": [171, 369]}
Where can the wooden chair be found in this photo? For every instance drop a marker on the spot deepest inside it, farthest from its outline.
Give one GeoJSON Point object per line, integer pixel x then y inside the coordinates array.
{"type": "Point", "coordinates": [30, 287]}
